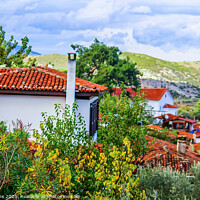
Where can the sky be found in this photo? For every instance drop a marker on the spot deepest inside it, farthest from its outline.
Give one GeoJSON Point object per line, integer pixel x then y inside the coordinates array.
{"type": "Point", "coordinates": [166, 29]}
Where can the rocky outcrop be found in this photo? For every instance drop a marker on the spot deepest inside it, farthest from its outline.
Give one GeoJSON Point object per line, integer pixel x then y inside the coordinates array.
{"type": "Point", "coordinates": [177, 89]}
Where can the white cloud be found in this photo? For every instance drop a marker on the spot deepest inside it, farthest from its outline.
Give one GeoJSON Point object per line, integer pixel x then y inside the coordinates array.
{"type": "Point", "coordinates": [53, 25]}
{"type": "Point", "coordinates": [142, 9]}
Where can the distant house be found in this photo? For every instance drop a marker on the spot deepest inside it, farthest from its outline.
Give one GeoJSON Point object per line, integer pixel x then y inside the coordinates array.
{"type": "Point", "coordinates": [177, 123]}
{"type": "Point", "coordinates": [26, 92]}
{"type": "Point", "coordinates": [159, 99]}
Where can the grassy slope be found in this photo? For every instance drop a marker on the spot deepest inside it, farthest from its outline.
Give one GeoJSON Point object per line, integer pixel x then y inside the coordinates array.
{"type": "Point", "coordinates": [164, 70]}
{"type": "Point", "coordinates": [58, 60]}
{"type": "Point", "coordinates": [151, 67]}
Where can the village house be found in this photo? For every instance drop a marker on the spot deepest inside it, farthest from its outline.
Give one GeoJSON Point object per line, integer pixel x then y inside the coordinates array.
{"type": "Point", "coordinates": [159, 100]}
{"type": "Point", "coordinates": [176, 122]}
{"type": "Point", "coordinates": [27, 92]}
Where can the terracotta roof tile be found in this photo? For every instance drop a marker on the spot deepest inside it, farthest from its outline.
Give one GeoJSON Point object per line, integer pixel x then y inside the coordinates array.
{"type": "Point", "coordinates": [158, 128]}
{"type": "Point", "coordinates": [185, 134]}
{"type": "Point", "coordinates": [159, 147]}
{"type": "Point", "coordinates": [42, 78]}
{"type": "Point", "coordinates": [154, 94]}
{"type": "Point", "coordinates": [169, 106]}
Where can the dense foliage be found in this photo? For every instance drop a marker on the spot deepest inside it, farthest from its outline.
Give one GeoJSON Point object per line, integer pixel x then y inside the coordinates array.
{"type": "Point", "coordinates": [10, 59]}
{"type": "Point", "coordinates": [123, 117]}
{"type": "Point", "coordinates": [185, 111]}
{"type": "Point", "coordinates": [14, 158]}
{"type": "Point", "coordinates": [66, 163]}
{"type": "Point", "coordinates": [101, 64]}
{"type": "Point", "coordinates": [197, 110]}
{"type": "Point", "coordinates": [162, 183]}
{"type": "Point", "coordinates": [164, 134]}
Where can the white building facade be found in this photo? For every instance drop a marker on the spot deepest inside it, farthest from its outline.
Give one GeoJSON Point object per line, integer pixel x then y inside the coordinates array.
{"type": "Point", "coordinates": [26, 93]}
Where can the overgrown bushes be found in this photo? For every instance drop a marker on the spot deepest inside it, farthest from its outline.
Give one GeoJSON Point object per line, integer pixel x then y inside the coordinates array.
{"type": "Point", "coordinates": [161, 184]}
{"type": "Point", "coordinates": [65, 162]}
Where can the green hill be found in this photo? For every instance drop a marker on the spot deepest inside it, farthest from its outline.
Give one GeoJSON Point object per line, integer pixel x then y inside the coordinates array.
{"type": "Point", "coordinates": [59, 61]}
{"type": "Point", "coordinates": [151, 68]}
{"type": "Point", "coordinates": [157, 69]}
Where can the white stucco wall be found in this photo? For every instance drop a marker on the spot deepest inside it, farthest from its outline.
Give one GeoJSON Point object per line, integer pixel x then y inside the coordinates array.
{"type": "Point", "coordinates": [172, 111]}
{"type": "Point", "coordinates": [166, 99]}
{"type": "Point", "coordinates": [158, 105]}
{"type": "Point", "coordinates": [28, 109]}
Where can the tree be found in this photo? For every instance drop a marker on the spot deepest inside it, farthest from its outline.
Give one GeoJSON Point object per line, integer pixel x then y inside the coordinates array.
{"type": "Point", "coordinates": [101, 64]}
{"type": "Point", "coordinates": [123, 117]}
{"type": "Point", "coordinates": [185, 111]}
{"type": "Point", "coordinates": [7, 57]}
{"type": "Point", "coordinates": [196, 110]}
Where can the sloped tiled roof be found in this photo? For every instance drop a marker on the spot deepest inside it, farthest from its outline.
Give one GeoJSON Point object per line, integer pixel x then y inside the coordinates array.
{"type": "Point", "coordinates": [42, 79]}
{"type": "Point", "coordinates": [187, 120]}
{"type": "Point", "coordinates": [158, 128]}
{"type": "Point", "coordinates": [159, 147]}
{"type": "Point", "coordinates": [171, 117]}
{"type": "Point", "coordinates": [169, 106]}
{"type": "Point", "coordinates": [154, 127]}
{"type": "Point", "coordinates": [154, 94]}
{"type": "Point", "coordinates": [185, 134]}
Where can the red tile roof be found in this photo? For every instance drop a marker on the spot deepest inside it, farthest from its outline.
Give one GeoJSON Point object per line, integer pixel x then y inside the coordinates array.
{"type": "Point", "coordinates": [158, 128]}
{"type": "Point", "coordinates": [169, 106]}
{"type": "Point", "coordinates": [187, 120]}
{"type": "Point", "coordinates": [170, 117]}
{"type": "Point", "coordinates": [42, 79]}
{"type": "Point", "coordinates": [154, 127]}
{"type": "Point", "coordinates": [154, 94]}
{"type": "Point", "coordinates": [185, 134]}
{"type": "Point", "coordinates": [160, 147]}
{"type": "Point", "coordinates": [197, 147]}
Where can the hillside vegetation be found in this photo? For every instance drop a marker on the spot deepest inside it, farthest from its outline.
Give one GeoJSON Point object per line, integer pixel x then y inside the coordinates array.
{"type": "Point", "coordinates": [182, 78]}
{"type": "Point", "coordinates": [59, 61]}
{"type": "Point", "coordinates": [157, 69]}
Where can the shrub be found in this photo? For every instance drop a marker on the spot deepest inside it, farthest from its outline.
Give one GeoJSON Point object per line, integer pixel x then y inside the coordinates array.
{"type": "Point", "coordinates": [66, 162]}
{"type": "Point", "coordinates": [14, 157]}
{"type": "Point", "coordinates": [160, 183]}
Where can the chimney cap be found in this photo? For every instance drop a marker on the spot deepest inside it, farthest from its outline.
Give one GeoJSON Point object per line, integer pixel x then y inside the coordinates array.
{"type": "Point", "coordinates": [72, 56]}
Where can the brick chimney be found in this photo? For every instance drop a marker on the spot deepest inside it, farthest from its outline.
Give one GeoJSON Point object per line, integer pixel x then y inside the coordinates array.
{"type": "Point", "coordinates": [71, 79]}
{"type": "Point", "coordinates": [181, 146]}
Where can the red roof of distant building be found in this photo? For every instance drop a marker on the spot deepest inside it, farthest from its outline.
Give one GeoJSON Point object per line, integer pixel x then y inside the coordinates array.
{"type": "Point", "coordinates": [169, 118]}
{"type": "Point", "coordinates": [169, 106]}
{"type": "Point", "coordinates": [174, 117]}
{"type": "Point", "coordinates": [158, 128]}
{"type": "Point", "coordinates": [197, 147]}
{"type": "Point", "coordinates": [187, 120]}
{"type": "Point", "coordinates": [154, 94]}
{"type": "Point", "coordinates": [42, 79]}
{"type": "Point", "coordinates": [186, 134]}
{"type": "Point", "coordinates": [154, 127]}
{"type": "Point", "coordinates": [160, 147]}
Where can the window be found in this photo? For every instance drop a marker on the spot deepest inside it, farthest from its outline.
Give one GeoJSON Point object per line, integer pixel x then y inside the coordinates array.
{"type": "Point", "coordinates": [94, 116]}
{"type": "Point", "coordinates": [165, 96]}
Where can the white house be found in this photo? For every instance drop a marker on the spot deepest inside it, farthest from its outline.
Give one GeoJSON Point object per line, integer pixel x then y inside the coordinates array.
{"type": "Point", "coordinates": [159, 99]}
{"type": "Point", "coordinates": [26, 92]}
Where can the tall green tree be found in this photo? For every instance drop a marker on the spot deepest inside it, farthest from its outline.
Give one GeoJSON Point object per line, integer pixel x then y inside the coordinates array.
{"type": "Point", "coordinates": [10, 59]}
{"type": "Point", "coordinates": [197, 110]}
{"type": "Point", "coordinates": [101, 64]}
{"type": "Point", "coordinates": [123, 117]}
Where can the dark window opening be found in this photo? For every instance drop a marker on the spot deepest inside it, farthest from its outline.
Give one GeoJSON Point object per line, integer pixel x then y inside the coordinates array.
{"type": "Point", "coordinates": [94, 116]}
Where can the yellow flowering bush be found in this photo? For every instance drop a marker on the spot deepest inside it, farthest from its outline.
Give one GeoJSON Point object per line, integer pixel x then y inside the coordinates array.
{"type": "Point", "coordinates": [76, 167]}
